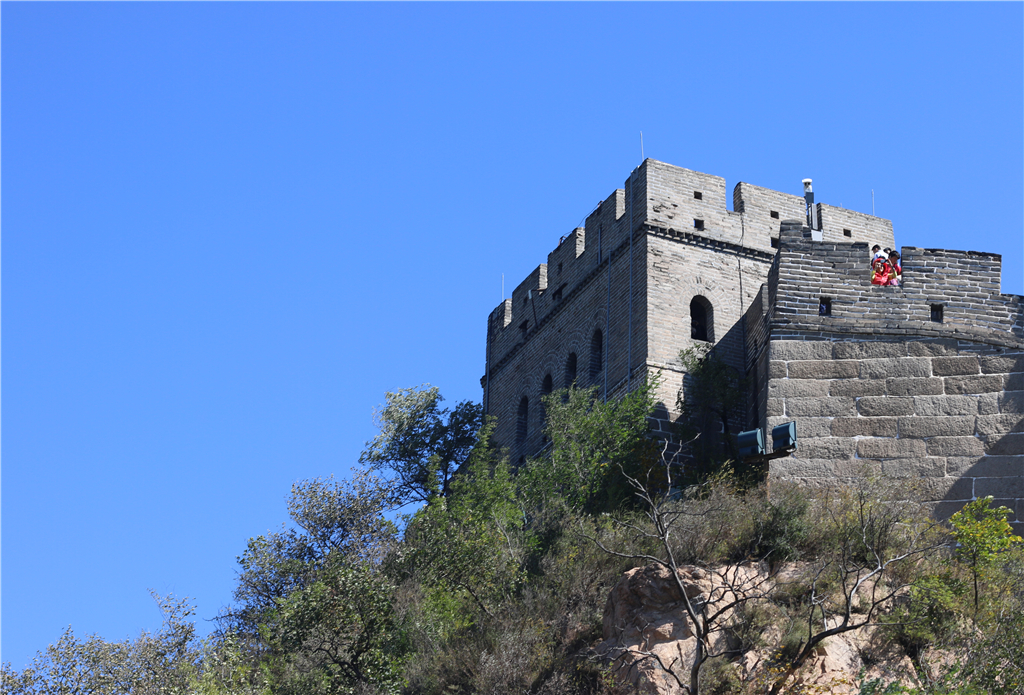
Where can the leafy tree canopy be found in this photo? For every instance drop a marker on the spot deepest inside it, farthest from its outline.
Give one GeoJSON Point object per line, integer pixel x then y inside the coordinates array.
{"type": "Point", "coordinates": [420, 444]}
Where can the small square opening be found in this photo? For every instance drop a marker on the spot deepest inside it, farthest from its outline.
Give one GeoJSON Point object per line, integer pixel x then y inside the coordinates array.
{"type": "Point", "coordinates": [774, 214]}
{"type": "Point", "coordinates": [698, 195]}
{"type": "Point", "coordinates": [847, 232]}
{"type": "Point", "coordinates": [698, 225]}
{"type": "Point", "coordinates": [824, 306]}
{"type": "Point", "coordinates": [775, 242]}
{"type": "Point", "coordinates": [937, 313]}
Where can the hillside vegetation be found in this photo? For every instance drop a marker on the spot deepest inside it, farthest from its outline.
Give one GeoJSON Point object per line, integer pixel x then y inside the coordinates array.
{"type": "Point", "coordinates": [499, 581]}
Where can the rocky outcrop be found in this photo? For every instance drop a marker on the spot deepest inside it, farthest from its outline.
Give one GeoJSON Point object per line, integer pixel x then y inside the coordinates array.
{"type": "Point", "coordinates": [649, 640]}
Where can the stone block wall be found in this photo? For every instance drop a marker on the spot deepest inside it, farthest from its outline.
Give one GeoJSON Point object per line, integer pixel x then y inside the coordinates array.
{"type": "Point", "coordinates": [947, 415]}
{"type": "Point", "coordinates": [884, 385]}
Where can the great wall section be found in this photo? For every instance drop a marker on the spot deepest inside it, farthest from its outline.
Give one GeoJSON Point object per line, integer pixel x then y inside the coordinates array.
{"type": "Point", "coordinates": [923, 382]}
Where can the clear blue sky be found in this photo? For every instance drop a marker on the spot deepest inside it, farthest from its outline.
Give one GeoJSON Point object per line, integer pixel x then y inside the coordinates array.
{"type": "Point", "coordinates": [228, 229]}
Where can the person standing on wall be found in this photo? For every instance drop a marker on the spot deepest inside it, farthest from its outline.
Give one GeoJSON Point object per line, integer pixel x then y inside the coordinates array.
{"type": "Point", "coordinates": [895, 269]}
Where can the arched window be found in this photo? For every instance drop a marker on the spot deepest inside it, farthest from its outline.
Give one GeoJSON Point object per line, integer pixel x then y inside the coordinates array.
{"type": "Point", "coordinates": [702, 320]}
{"type": "Point", "coordinates": [523, 421]}
{"type": "Point", "coordinates": [596, 357]}
{"type": "Point", "coordinates": [570, 370]}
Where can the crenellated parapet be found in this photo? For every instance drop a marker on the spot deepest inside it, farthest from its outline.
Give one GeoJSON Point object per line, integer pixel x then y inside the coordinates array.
{"type": "Point", "coordinates": [945, 293]}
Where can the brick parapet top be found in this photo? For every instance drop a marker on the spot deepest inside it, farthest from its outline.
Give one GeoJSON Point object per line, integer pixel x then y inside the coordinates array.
{"type": "Point", "coordinates": [965, 284]}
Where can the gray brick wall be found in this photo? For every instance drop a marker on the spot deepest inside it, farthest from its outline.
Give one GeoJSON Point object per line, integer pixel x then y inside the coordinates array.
{"type": "Point", "coordinates": [947, 414]}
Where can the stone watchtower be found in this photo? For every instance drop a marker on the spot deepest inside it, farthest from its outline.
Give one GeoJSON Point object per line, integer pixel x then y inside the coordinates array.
{"type": "Point", "coordinates": [663, 264]}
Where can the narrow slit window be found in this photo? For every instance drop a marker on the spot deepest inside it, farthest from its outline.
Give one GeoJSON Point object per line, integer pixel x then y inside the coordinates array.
{"type": "Point", "coordinates": [596, 357]}
{"type": "Point", "coordinates": [775, 242]}
{"type": "Point", "coordinates": [523, 327]}
{"type": "Point", "coordinates": [523, 421]}
{"type": "Point", "coordinates": [847, 232]}
{"type": "Point", "coordinates": [570, 370]}
{"type": "Point", "coordinates": [824, 306]}
{"type": "Point", "coordinates": [774, 214]}
{"type": "Point", "coordinates": [937, 313]}
{"type": "Point", "coordinates": [545, 389]}
{"type": "Point", "coordinates": [698, 225]}
{"type": "Point", "coordinates": [698, 195]}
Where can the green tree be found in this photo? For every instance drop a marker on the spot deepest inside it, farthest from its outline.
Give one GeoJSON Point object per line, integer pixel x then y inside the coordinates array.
{"type": "Point", "coordinates": [333, 521]}
{"type": "Point", "coordinates": [420, 444]}
{"type": "Point", "coordinates": [314, 607]}
{"type": "Point", "coordinates": [592, 443]}
{"type": "Point", "coordinates": [471, 541]}
{"type": "Point", "coordinates": [161, 663]}
{"type": "Point", "coordinates": [982, 534]}
{"type": "Point", "coordinates": [340, 632]}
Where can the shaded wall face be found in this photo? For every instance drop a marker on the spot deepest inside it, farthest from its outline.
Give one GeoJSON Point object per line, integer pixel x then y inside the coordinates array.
{"type": "Point", "coordinates": [561, 328]}
{"type": "Point", "coordinates": [945, 415]}
{"type": "Point", "coordinates": [678, 271]}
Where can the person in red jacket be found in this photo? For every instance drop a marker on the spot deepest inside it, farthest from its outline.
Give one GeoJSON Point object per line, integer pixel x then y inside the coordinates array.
{"type": "Point", "coordinates": [880, 271]}
{"type": "Point", "coordinates": [895, 270]}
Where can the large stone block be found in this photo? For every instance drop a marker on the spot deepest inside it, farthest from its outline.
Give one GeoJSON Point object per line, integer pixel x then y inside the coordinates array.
{"type": "Point", "coordinates": [932, 348]}
{"type": "Point", "coordinates": [943, 510]}
{"type": "Point", "coordinates": [901, 367]}
{"type": "Point", "coordinates": [857, 387]}
{"type": "Point", "coordinates": [1004, 444]}
{"type": "Point", "coordinates": [927, 467]}
{"type": "Point", "coordinates": [945, 405]}
{"type": "Point", "coordinates": [988, 403]}
{"type": "Point", "coordinates": [830, 448]}
{"type": "Point", "coordinates": [999, 487]}
{"type": "Point", "coordinates": [1000, 424]}
{"type": "Point", "coordinates": [823, 369]}
{"type": "Point", "coordinates": [890, 448]}
{"type": "Point", "coordinates": [956, 446]}
{"type": "Point", "coordinates": [989, 383]}
{"type": "Point", "coordinates": [1011, 402]}
{"type": "Point", "coordinates": [806, 428]}
{"type": "Point", "coordinates": [1013, 382]}
{"type": "Point", "coordinates": [776, 370]}
{"type": "Point", "coordinates": [797, 388]}
{"type": "Point", "coordinates": [800, 350]}
{"type": "Point", "coordinates": [936, 426]}
{"type": "Point", "coordinates": [913, 386]}
{"type": "Point", "coordinates": [1001, 364]}
{"type": "Point", "coordinates": [945, 489]}
{"type": "Point", "coordinates": [878, 406]}
{"type": "Point", "coordinates": [820, 407]}
{"type": "Point", "coordinates": [775, 406]}
{"type": "Point", "coordinates": [863, 427]}
{"type": "Point", "coordinates": [811, 468]}
{"type": "Point", "coordinates": [950, 366]}
{"type": "Point", "coordinates": [985, 466]}
{"type": "Point", "coordinates": [868, 349]}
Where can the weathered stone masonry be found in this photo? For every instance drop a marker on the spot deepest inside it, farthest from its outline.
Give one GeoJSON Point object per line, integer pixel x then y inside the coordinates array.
{"type": "Point", "coordinates": [922, 381]}
{"type": "Point", "coordinates": [889, 385]}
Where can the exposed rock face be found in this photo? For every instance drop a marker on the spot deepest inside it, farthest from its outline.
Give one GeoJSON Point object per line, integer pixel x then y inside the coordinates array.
{"type": "Point", "coordinates": [646, 629]}
{"type": "Point", "coordinates": [647, 632]}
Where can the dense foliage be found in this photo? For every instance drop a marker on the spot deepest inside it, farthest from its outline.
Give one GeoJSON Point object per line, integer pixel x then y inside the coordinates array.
{"type": "Point", "coordinates": [497, 583]}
